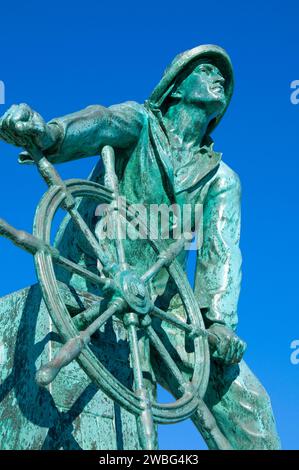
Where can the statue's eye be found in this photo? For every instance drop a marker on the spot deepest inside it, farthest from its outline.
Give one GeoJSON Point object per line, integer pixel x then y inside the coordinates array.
{"type": "Point", "coordinates": [205, 69]}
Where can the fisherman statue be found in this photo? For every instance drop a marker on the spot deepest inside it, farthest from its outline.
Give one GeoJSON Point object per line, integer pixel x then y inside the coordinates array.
{"type": "Point", "coordinates": [162, 153]}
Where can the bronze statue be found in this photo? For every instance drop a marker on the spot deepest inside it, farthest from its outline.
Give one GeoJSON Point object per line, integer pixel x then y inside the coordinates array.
{"type": "Point", "coordinates": [163, 154]}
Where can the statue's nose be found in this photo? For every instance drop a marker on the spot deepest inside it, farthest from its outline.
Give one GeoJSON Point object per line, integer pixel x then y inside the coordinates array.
{"type": "Point", "coordinates": [219, 79]}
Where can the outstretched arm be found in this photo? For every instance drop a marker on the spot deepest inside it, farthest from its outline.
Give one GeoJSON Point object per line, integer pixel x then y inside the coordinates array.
{"type": "Point", "coordinates": [76, 135]}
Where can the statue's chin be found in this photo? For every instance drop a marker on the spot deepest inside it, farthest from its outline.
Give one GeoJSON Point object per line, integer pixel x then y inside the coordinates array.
{"type": "Point", "coordinates": [213, 106]}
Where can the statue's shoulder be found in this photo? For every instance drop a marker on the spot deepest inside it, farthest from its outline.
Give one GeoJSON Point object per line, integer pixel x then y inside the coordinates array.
{"type": "Point", "coordinates": [129, 112]}
{"type": "Point", "coordinates": [225, 178]}
{"type": "Point", "coordinates": [129, 107]}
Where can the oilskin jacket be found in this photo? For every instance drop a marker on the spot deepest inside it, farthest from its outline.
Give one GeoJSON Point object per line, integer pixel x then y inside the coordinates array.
{"type": "Point", "coordinates": [149, 173]}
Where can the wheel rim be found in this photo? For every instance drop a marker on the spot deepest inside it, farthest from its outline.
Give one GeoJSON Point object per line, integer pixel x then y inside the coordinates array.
{"type": "Point", "coordinates": [162, 413]}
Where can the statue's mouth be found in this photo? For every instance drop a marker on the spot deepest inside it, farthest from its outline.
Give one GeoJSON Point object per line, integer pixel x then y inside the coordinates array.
{"type": "Point", "coordinates": [217, 88]}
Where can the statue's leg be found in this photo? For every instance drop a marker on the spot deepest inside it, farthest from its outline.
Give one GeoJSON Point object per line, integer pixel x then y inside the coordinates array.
{"type": "Point", "coordinates": [238, 402]}
{"type": "Point", "coordinates": [241, 407]}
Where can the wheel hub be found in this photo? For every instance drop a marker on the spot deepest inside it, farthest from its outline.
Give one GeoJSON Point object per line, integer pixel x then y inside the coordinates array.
{"type": "Point", "coordinates": [134, 292]}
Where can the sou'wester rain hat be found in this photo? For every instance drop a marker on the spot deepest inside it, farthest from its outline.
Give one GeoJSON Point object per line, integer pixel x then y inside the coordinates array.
{"type": "Point", "coordinates": [214, 55]}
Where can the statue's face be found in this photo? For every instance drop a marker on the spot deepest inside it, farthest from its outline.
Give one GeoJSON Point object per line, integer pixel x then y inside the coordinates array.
{"type": "Point", "coordinates": [205, 86]}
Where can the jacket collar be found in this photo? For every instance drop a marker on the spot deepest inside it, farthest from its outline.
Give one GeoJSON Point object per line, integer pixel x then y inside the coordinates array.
{"type": "Point", "coordinates": [203, 161]}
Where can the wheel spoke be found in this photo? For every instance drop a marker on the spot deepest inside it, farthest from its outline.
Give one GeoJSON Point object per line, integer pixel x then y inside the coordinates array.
{"type": "Point", "coordinates": [166, 357]}
{"type": "Point", "coordinates": [116, 306]}
{"type": "Point", "coordinates": [111, 182]}
{"type": "Point", "coordinates": [131, 320]}
{"type": "Point", "coordinates": [73, 348]}
{"type": "Point", "coordinates": [85, 318]}
{"type": "Point", "coordinates": [165, 258]}
{"type": "Point", "coordinates": [52, 178]}
{"type": "Point", "coordinates": [91, 239]}
{"type": "Point", "coordinates": [45, 168]}
{"type": "Point", "coordinates": [32, 245]}
{"type": "Point", "coordinates": [157, 312]}
{"type": "Point", "coordinates": [192, 331]}
{"type": "Point", "coordinates": [77, 269]}
{"type": "Point", "coordinates": [119, 241]}
{"type": "Point", "coordinates": [145, 424]}
{"type": "Point", "coordinates": [24, 240]}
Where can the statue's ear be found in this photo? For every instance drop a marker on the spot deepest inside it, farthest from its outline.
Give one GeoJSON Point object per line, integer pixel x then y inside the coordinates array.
{"type": "Point", "coordinates": [171, 92]}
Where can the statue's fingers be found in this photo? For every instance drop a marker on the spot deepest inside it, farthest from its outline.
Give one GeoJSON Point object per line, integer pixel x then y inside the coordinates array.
{"type": "Point", "coordinates": [15, 114]}
{"type": "Point", "coordinates": [12, 136]}
{"type": "Point", "coordinates": [37, 124]}
{"type": "Point", "coordinates": [7, 113]}
{"type": "Point", "coordinates": [23, 128]}
{"type": "Point", "coordinates": [7, 132]}
{"type": "Point", "coordinates": [3, 132]}
{"type": "Point", "coordinates": [23, 132]}
{"type": "Point", "coordinates": [25, 109]}
{"type": "Point", "coordinates": [1, 128]}
{"type": "Point", "coordinates": [4, 122]}
{"type": "Point", "coordinates": [2, 135]}
{"type": "Point", "coordinates": [238, 351]}
{"type": "Point", "coordinates": [222, 350]}
{"type": "Point", "coordinates": [231, 352]}
{"type": "Point", "coordinates": [8, 117]}
{"type": "Point", "coordinates": [8, 135]}
{"type": "Point", "coordinates": [21, 113]}
{"type": "Point", "coordinates": [241, 350]}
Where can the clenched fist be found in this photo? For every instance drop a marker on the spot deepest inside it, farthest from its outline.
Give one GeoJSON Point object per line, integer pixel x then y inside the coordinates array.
{"type": "Point", "coordinates": [229, 348]}
{"type": "Point", "coordinates": [20, 125]}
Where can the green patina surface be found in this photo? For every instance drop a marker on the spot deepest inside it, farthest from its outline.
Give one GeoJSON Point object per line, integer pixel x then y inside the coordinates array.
{"type": "Point", "coordinates": [72, 413]}
{"type": "Point", "coordinates": [163, 155]}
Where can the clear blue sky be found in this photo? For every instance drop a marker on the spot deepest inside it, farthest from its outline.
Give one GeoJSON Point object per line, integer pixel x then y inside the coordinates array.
{"type": "Point", "coordinates": [61, 56]}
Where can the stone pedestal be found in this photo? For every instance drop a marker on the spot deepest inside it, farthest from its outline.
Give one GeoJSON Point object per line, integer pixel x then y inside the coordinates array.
{"type": "Point", "coordinates": [71, 413]}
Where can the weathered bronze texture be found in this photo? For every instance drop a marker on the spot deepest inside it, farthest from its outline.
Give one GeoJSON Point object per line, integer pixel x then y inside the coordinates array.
{"type": "Point", "coordinates": [157, 153]}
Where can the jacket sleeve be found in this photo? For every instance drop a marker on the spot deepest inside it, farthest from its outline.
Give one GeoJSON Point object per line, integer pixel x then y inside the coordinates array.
{"type": "Point", "coordinates": [218, 267]}
{"type": "Point", "coordinates": [84, 133]}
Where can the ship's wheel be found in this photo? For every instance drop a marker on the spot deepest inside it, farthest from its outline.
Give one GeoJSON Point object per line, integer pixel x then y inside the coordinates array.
{"type": "Point", "coordinates": [131, 300]}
